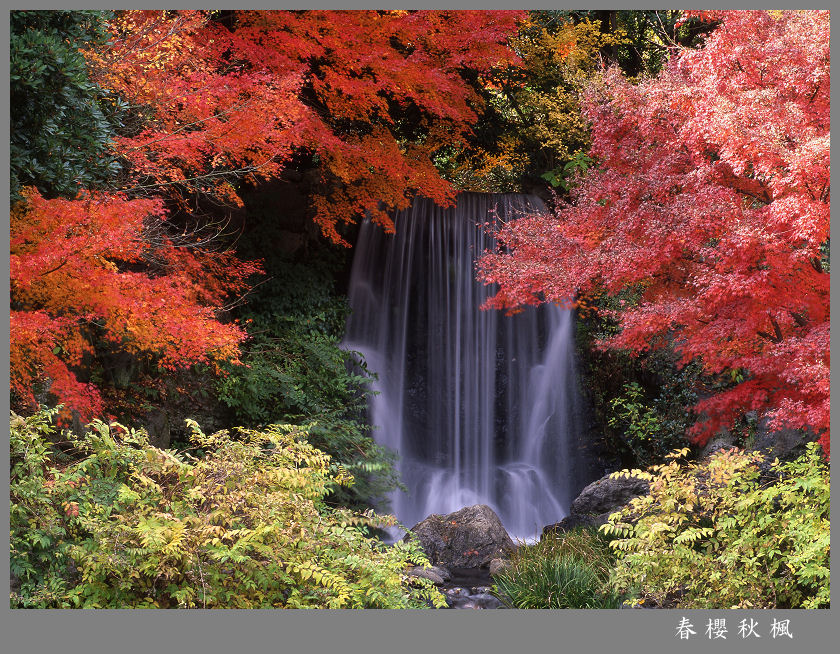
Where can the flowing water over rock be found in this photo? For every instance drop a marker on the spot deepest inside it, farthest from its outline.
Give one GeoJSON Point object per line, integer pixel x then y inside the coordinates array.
{"type": "Point", "coordinates": [481, 407]}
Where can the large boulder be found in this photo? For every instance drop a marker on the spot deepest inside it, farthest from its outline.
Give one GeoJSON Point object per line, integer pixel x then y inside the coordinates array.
{"type": "Point", "coordinates": [723, 440]}
{"type": "Point", "coordinates": [781, 443]}
{"type": "Point", "coordinates": [157, 427]}
{"type": "Point", "coordinates": [608, 494]}
{"type": "Point", "coordinates": [469, 538]}
{"type": "Point", "coordinates": [598, 500]}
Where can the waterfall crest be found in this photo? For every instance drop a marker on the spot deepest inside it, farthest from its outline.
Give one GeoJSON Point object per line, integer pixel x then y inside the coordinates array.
{"type": "Point", "coordinates": [481, 407]}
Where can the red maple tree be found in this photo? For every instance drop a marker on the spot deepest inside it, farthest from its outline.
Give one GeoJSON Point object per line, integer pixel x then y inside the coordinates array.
{"type": "Point", "coordinates": [370, 95]}
{"type": "Point", "coordinates": [84, 270]}
{"type": "Point", "coordinates": [711, 198]}
{"type": "Point", "coordinates": [221, 102]}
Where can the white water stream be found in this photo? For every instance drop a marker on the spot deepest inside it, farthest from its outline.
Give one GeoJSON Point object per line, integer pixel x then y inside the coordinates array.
{"type": "Point", "coordinates": [481, 407]}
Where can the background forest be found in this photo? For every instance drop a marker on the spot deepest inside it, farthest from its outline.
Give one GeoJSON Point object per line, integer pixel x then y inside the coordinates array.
{"type": "Point", "coordinates": [186, 188]}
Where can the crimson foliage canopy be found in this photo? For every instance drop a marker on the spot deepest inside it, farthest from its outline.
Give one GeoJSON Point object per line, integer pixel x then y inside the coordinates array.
{"type": "Point", "coordinates": [711, 199]}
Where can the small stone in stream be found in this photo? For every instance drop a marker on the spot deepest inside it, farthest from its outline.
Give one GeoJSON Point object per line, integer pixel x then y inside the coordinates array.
{"type": "Point", "coordinates": [480, 590]}
{"type": "Point", "coordinates": [426, 573]}
{"type": "Point", "coordinates": [442, 572]}
{"type": "Point", "coordinates": [457, 592]}
{"type": "Point", "coordinates": [457, 602]}
{"type": "Point", "coordinates": [486, 601]}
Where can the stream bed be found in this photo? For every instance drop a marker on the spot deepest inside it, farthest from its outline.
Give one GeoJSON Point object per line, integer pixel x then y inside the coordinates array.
{"type": "Point", "coordinates": [469, 588]}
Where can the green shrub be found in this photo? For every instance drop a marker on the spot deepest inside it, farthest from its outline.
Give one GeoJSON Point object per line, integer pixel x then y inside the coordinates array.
{"type": "Point", "coordinates": [725, 534]}
{"type": "Point", "coordinates": [295, 371]}
{"type": "Point", "coordinates": [246, 526]}
{"type": "Point", "coordinates": [641, 423]}
{"type": "Point", "coordinates": [640, 401]}
{"type": "Point", "coordinates": [61, 123]}
{"type": "Point", "coordinates": [40, 532]}
{"type": "Point", "coordinates": [569, 571]}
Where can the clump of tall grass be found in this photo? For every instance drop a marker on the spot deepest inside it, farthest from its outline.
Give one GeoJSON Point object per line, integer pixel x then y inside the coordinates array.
{"type": "Point", "coordinates": [565, 571]}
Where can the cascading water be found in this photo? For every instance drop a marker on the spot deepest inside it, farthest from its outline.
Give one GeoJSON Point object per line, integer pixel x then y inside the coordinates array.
{"type": "Point", "coordinates": [481, 407]}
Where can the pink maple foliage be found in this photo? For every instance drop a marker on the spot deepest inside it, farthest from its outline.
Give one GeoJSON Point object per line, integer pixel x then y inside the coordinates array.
{"type": "Point", "coordinates": [711, 196]}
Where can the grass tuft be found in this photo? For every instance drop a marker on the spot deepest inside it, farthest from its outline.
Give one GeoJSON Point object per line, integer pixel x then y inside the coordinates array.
{"type": "Point", "coordinates": [567, 571]}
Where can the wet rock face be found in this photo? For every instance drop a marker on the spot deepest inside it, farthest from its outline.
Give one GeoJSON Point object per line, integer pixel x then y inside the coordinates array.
{"type": "Point", "coordinates": [606, 495]}
{"type": "Point", "coordinates": [598, 500]}
{"type": "Point", "coordinates": [469, 538]}
{"type": "Point", "coordinates": [571, 522]}
{"type": "Point", "coordinates": [781, 443]}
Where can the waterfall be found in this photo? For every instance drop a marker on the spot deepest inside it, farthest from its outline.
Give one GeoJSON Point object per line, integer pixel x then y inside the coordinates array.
{"type": "Point", "coordinates": [481, 407]}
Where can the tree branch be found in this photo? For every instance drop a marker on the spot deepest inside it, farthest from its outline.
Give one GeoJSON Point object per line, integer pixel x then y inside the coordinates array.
{"type": "Point", "coordinates": [776, 336]}
{"type": "Point", "coordinates": [799, 318]}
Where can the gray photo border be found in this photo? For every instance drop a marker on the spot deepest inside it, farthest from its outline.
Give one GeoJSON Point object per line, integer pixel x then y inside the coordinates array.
{"type": "Point", "coordinates": [462, 632]}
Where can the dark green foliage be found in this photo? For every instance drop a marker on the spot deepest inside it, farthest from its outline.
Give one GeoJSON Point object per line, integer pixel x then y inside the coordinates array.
{"type": "Point", "coordinates": [294, 370]}
{"type": "Point", "coordinates": [39, 545]}
{"type": "Point", "coordinates": [642, 404]}
{"type": "Point", "coordinates": [531, 130]}
{"type": "Point", "coordinates": [651, 422]}
{"type": "Point", "coordinates": [568, 571]}
{"type": "Point", "coordinates": [61, 123]}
